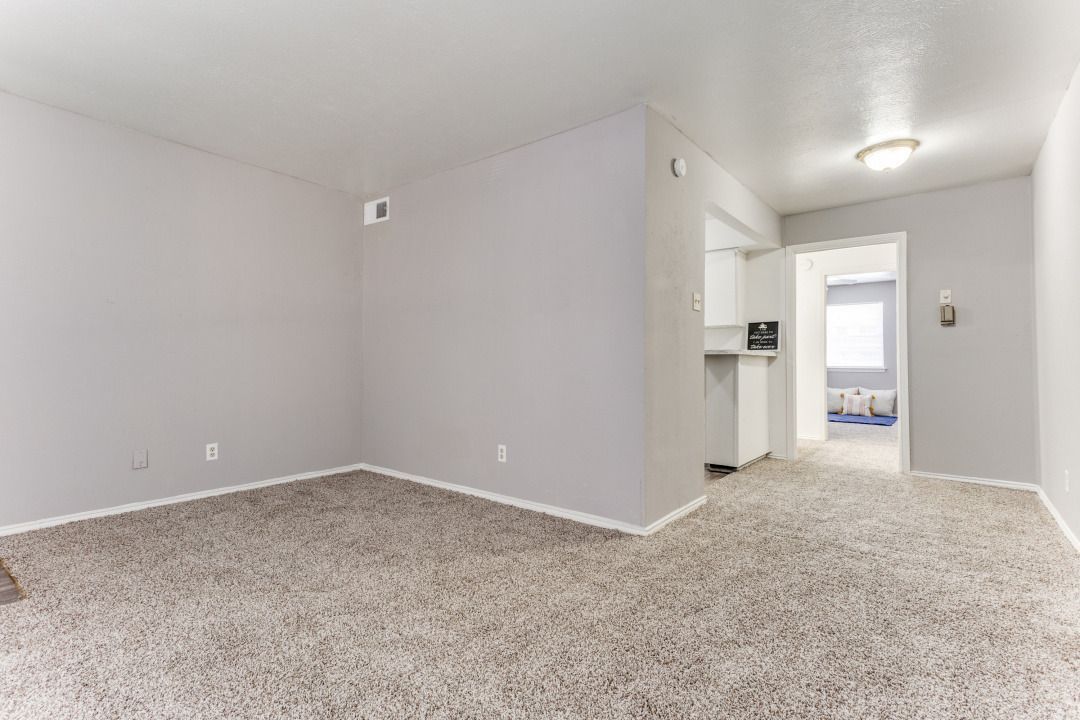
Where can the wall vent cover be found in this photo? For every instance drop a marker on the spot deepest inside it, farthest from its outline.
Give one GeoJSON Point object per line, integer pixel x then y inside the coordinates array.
{"type": "Point", "coordinates": [377, 211]}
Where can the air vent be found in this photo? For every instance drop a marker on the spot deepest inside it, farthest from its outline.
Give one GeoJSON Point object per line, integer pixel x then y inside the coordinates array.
{"type": "Point", "coordinates": [377, 211]}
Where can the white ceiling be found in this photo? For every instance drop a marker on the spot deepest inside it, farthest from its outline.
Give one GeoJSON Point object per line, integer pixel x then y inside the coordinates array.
{"type": "Point", "coordinates": [362, 95]}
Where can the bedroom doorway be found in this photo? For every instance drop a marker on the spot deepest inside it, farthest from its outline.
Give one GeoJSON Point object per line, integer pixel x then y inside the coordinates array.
{"type": "Point", "coordinates": [847, 363]}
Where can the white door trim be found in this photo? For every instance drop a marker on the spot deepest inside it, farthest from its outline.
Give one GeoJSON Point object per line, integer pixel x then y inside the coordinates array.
{"type": "Point", "coordinates": [900, 240]}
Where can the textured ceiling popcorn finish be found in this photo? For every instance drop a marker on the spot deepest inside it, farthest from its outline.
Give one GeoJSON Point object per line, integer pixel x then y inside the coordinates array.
{"type": "Point", "coordinates": [362, 96]}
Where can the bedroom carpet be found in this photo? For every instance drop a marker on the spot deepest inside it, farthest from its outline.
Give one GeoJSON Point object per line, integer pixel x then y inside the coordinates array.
{"type": "Point", "coordinates": [871, 448]}
{"type": "Point", "coordinates": [800, 590]}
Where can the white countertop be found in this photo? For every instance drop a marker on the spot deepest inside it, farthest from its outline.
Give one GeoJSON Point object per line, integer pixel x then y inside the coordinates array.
{"type": "Point", "coordinates": [758, 353]}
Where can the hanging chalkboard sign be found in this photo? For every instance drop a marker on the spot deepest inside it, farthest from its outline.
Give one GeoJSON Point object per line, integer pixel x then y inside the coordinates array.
{"type": "Point", "coordinates": [763, 335]}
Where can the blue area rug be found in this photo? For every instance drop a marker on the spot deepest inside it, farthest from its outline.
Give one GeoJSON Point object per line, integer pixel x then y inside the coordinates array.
{"type": "Point", "coordinates": [862, 419]}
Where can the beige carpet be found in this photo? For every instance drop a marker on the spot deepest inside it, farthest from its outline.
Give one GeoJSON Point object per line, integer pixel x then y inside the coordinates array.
{"type": "Point", "coordinates": [808, 590]}
{"type": "Point", "coordinates": [856, 447]}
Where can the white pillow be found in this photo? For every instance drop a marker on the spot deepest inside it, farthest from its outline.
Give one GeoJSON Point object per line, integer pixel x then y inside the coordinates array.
{"type": "Point", "coordinates": [856, 405]}
{"type": "Point", "coordinates": [835, 398]}
{"type": "Point", "coordinates": [884, 401]}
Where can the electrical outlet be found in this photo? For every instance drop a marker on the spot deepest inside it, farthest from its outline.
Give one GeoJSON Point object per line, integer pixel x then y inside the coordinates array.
{"type": "Point", "coordinates": [502, 453]}
{"type": "Point", "coordinates": [695, 302]}
{"type": "Point", "coordinates": [211, 451]}
{"type": "Point", "coordinates": [140, 459]}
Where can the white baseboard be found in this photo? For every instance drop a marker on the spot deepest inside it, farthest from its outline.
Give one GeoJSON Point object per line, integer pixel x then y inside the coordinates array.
{"type": "Point", "coordinates": [673, 516]}
{"type": "Point", "coordinates": [1060, 520]}
{"type": "Point", "coordinates": [586, 518]}
{"type": "Point", "coordinates": [1011, 485]}
{"type": "Point", "coordinates": [130, 507]}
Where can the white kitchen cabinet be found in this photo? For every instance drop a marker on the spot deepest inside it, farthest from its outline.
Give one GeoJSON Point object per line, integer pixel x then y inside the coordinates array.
{"type": "Point", "coordinates": [736, 407]}
{"type": "Point", "coordinates": [724, 271]}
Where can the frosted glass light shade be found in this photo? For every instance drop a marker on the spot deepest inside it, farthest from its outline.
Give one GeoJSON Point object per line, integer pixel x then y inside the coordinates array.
{"type": "Point", "coordinates": [887, 155]}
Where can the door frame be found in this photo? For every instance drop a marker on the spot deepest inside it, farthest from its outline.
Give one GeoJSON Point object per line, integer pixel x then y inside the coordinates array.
{"type": "Point", "coordinates": [792, 252]}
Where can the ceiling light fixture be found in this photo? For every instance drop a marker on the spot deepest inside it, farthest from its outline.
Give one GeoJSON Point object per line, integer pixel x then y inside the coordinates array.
{"type": "Point", "coordinates": [887, 155]}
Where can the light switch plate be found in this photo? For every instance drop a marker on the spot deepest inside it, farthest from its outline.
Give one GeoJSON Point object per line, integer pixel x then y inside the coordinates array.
{"type": "Point", "coordinates": [140, 459]}
{"type": "Point", "coordinates": [946, 297]}
{"type": "Point", "coordinates": [696, 302]}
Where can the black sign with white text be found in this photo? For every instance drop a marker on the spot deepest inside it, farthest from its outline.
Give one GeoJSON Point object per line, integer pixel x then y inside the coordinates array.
{"type": "Point", "coordinates": [763, 335]}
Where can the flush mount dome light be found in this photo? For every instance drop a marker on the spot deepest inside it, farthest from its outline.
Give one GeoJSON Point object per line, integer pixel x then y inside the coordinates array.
{"type": "Point", "coordinates": [887, 155]}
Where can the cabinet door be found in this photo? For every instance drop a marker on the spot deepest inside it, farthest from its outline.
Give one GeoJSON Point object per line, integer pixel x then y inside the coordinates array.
{"type": "Point", "coordinates": [753, 408]}
{"type": "Point", "coordinates": [722, 288]}
{"type": "Point", "coordinates": [721, 410]}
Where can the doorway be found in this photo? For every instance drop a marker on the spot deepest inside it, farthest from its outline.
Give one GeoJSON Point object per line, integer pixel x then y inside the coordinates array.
{"type": "Point", "coordinates": [847, 361]}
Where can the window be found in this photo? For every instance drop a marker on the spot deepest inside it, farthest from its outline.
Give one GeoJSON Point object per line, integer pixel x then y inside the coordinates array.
{"type": "Point", "coordinates": [855, 336]}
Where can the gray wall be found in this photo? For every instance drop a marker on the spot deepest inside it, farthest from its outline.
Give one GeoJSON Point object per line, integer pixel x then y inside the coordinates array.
{"type": "Point", "coordinates": [972, 386]}
{"type": "Point", "coordinates": [675, 334]}
{"type": "Point", "coordinates": [504, 303]}
{"type": "Point", "coordinates": [541, 299]}
{"type": "Point", "coordinates": [882, 292]}
{"type": "Point", "coordinates": [160, 297]}
{"type": "Point", "coordinates": [1056, 183]}
{"type": "Point", "coordinates": [154, 296]}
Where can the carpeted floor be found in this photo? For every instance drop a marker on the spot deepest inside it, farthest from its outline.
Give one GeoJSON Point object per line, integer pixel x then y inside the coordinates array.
{"type": "Point", "coordinates": [873, 448]}
{"type": "Point", "coordinates": [801, 590]}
